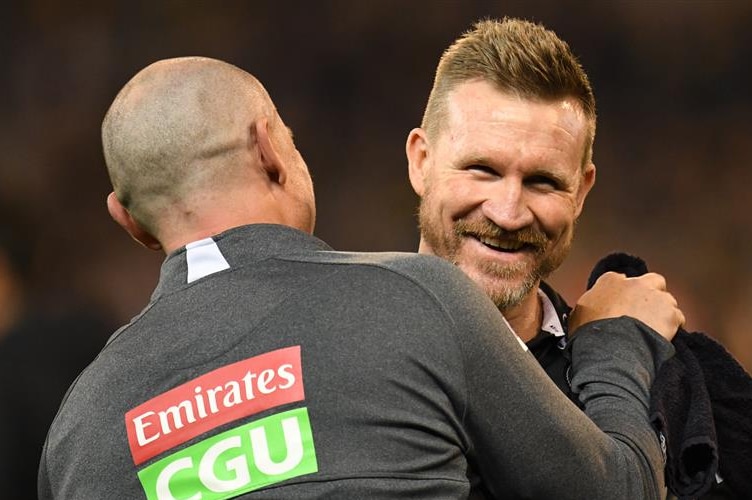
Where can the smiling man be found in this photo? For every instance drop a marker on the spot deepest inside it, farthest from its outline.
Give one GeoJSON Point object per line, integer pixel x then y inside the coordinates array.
{"type": "Point", "coordinates": [266, 365]}
{"type": "Point", "coordinates": [503, 164]}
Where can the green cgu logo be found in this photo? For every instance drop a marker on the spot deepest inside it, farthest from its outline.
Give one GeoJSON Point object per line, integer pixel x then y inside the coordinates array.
{"type": "Point", "coordinates": [239, 460]}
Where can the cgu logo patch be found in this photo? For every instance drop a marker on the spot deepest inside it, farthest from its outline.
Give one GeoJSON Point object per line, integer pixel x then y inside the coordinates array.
{"type": "Point", "coordinates": [237, 461]}
{"type": "Point", "coordinates": [241, 459]}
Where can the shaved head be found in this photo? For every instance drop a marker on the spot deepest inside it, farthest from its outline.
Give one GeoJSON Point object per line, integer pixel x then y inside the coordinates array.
{"type": "Point", "coordinates": [179, 129]}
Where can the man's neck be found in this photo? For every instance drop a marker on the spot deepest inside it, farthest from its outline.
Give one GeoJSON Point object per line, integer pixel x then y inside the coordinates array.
{"type": "Point", "coordinates": [526, 317]}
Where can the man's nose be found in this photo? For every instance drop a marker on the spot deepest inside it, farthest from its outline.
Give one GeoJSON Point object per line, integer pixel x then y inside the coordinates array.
{"type": "Point", "coordinates": [507, 205]}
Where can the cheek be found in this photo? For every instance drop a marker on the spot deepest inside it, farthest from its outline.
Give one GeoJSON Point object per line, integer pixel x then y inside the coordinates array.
{"type": "Point", "coordinates": [459, 197]}
{"type": "Point", "coordinates": [556, 216]}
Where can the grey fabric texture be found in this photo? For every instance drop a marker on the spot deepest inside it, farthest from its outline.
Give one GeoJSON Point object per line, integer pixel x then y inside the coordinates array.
{"type": "Point", "coordinates": [413, 382]}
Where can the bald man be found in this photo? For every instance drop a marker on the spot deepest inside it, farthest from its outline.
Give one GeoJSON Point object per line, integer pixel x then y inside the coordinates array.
{"type": "Point", "coordinates": [267, 365]}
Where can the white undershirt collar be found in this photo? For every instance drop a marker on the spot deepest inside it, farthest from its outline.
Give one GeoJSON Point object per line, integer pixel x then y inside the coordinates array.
{"type": "Point", "coordinates": [551, 322]}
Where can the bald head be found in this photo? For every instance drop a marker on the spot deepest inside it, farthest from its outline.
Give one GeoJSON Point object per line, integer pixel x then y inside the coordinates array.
{"type": "Point", "coordinates": [181, 133]}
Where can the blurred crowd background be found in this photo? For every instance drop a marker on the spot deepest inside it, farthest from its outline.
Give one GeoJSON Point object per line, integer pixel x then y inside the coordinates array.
{"type": "Point", "coordinates": [351, 77]}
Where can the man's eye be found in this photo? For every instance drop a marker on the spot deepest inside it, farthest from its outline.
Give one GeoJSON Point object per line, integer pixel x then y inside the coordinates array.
{"type": "Point", "coordinates": [482, 169]}
{"type": "Point", "coordinates": [543, 181]}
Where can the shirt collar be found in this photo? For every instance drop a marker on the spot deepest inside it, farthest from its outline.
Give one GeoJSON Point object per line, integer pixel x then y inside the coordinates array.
{"type": "Point", "coordinates": [233, 248]}
{"type": "Point", "coordinates": [551, 322]}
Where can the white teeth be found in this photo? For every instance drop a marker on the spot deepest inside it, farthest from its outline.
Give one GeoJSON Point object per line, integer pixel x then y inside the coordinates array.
{"type": "Point", "coordinates": [510, 246]}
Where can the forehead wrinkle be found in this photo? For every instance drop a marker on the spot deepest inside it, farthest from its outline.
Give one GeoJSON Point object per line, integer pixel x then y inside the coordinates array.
{"type": "Point", "coordinates": [514, 137]}
{"type": "Point", "coordinates": [506, 147]}
{"type": "Point", "coordinates": [474, 95]}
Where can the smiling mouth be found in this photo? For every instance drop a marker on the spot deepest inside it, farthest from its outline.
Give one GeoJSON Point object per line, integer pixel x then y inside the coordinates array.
{"type": "Point", "coordinates": [507, 246]}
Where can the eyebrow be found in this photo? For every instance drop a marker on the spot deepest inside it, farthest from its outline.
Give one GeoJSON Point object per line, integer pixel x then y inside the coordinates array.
{"type": "Point", "coordinates": [289, 130]}
{"type": "Point", "coordinates": [476, 160]}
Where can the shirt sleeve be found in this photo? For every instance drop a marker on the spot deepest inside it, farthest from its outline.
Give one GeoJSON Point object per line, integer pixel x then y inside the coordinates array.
{"type": "Point", "coordinates": [528, 440]}
{"type": "Point", "coordinates": [43, 484]}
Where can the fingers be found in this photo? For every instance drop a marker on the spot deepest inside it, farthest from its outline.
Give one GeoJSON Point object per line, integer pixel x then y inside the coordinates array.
{"type": "Point", "coordinates": [644, 298]}
{"type": "Point", "coordinates": [651, 280]}
{"type": "Point", "coordinates": [681, 318]}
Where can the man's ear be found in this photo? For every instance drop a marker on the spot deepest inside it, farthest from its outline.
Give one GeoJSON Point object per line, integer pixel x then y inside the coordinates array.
{"type": "Point", "coordinates": [587, 182]}
{"type": "Point", "coordinates": [121, 215]}
{"type": "Point", "coordinates": [416, 150]}
{"type": "Point", "coordinates": [270, 159]}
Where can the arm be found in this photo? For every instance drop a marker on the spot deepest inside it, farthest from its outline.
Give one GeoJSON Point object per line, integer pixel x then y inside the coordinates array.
{"type": "Point", "coordinates": [526, 438]}
{"type": "Point", "coordinates": [43, 484]}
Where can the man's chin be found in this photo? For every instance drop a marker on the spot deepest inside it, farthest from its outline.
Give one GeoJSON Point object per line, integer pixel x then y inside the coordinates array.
{"type": "Point", "coordinates": [506, 275]}
{"type": "Point", "coordinates": [507, 290]}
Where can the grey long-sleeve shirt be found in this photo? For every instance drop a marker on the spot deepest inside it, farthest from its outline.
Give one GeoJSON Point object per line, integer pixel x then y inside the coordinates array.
{"type": "Point", "coordinates": [267, 366]}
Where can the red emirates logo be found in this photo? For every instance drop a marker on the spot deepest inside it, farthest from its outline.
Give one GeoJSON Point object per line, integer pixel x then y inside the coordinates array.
{"type": "Point", "coordinates": [216, 398]}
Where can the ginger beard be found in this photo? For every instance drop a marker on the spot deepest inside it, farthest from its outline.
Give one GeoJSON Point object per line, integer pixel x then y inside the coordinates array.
{"type": "Point", "coordinates": [507, 284]}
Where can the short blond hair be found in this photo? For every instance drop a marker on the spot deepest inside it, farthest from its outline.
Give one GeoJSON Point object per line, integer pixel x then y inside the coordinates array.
{"type": "Point", "coordinates": [519, 57]}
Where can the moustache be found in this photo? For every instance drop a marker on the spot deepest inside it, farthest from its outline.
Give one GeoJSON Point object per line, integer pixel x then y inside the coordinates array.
{"type": "Point", "coordinates": [487, 229]}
